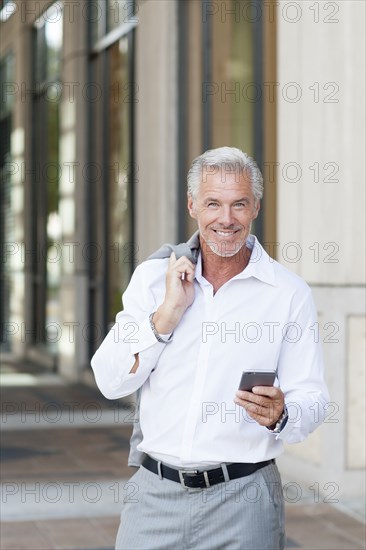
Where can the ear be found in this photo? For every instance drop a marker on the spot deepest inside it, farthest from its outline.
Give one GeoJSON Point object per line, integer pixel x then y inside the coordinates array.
{"type": "Point", "coordinates": [191, 207]}
{"type": "Point", "coordinates": [256, 210]}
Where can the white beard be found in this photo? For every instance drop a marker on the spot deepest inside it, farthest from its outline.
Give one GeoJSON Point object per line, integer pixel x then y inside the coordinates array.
{"type": "Point", "coordinates": [220, 250]}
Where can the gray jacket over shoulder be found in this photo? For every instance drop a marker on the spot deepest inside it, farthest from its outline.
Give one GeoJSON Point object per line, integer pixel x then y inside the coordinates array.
{"type": "Point", "coordinates": [190, 249]}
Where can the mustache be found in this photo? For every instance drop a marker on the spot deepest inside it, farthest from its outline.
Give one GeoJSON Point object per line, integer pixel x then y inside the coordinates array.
{"type": "Point", "coordinates": [229, 228]}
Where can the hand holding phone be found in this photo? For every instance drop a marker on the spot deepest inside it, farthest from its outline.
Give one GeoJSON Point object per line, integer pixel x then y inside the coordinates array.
{"type": "Point", "coordinates": [265, 408]}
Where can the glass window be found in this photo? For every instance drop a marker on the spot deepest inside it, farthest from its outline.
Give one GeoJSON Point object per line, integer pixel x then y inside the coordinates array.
{"type": "Point", "coordinates": [234, 92]}
{"type": "Point", "coordinates": [111, 191]}
{"type": "Point", "coordinates": [7, 8]}
{"type": "Point", "coordinates": [47, 271]}
{"type": "Point", "coordinates": [6, 210]}
{"type": "Point", "coordinates": [121, 94]}
{"type": "Point", "coordinates": [232, 86]}
{"type": "Point", "coordinates": [48, 45]}
{"type": "Point", "coordinates": [119, 12]}
{"type": "Point", "coordinates": [223, 64]}
{"type": "Point", "coordinates": [4, 3]}
{"type": "Point", "coordinates": [107, 15]}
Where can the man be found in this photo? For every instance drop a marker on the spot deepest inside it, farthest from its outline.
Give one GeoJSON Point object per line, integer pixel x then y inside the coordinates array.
{"type": "Point", "coordinates": [187, 333]}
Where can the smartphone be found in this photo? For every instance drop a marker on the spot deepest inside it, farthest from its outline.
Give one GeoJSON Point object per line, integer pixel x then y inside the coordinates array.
{"type": "Point", "coordinates": [259, 378]}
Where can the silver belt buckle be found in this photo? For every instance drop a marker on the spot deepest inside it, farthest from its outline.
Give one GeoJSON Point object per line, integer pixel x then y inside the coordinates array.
{"type": "Point", "coordinates": [181, 476]}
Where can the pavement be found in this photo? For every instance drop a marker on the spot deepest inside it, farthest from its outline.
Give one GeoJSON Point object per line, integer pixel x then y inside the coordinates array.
{"type": "Point", "coordinates": [64, 473]}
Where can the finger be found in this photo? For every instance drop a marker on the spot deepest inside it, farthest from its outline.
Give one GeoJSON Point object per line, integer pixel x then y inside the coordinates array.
{"type": "Point", "coordinates": [189, 275]}
{"type": "Point", "coordinates": [184, 273]}
{"type": "Point", "coordinates": [246, 395]}
{"type": "Point", "coordinates": [184, 266]}
{"type": "Point", "coordinates": [257, 413]}
{"type": "Point", "coordinates": [181, 264]}
{"type": "Point", "coordinates": [260, 415]}
{"type": "Point", "coordinates": [172, 259]}
{"type": "Point", "coordinates": [183, 260]}
{"type": "Point", "coordinates": [265, 403]}
{"type": "Point", "coordinates": [175, 266]}
{"type": "Point", "coordinates": [269, 391]}
{"type": "Point", "coordinates": [252, 397]}
{"type": "Point", "coordinates": [262, 408]}
{"type": "Point", "coordinates": [264, 415]}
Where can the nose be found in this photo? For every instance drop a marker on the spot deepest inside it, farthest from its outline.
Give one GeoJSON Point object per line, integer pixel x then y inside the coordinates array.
{"type": "Point", "coordinates": [226, 218]}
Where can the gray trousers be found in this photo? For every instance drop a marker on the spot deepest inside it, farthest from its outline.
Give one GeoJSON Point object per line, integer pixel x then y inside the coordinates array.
{"type": "Point", "coordinates": [241, 514]}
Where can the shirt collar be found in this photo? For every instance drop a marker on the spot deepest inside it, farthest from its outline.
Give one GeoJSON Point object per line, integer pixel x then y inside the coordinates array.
{"type": "Point", "coordinates": [260, 266]}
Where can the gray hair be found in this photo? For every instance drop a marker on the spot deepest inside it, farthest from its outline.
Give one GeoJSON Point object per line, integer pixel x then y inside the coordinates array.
{"type": "Point", "coordinates": [229, 159]}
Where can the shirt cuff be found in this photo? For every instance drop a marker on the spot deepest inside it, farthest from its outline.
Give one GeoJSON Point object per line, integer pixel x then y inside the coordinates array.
{"type": "Point", "coordinates": [282, 435]}
{"type": "Point", "coordinates": [145, 338]}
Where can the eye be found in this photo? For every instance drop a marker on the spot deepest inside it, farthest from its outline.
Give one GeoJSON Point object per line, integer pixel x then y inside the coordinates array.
{"type": "Point", "coordinates": [241, 204]}
{"type": "Point", "coordinates": [212, 204]}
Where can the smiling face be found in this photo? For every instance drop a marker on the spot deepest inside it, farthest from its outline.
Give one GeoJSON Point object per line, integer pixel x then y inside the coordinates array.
{"type": "Point", "coordinates": [224, 208]}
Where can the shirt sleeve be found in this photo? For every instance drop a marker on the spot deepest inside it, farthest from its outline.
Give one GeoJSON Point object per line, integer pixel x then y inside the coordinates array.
{"type": "Point", "coordinates": [131, 334]}
{"type": "Point", "coordinates": [301, 373]}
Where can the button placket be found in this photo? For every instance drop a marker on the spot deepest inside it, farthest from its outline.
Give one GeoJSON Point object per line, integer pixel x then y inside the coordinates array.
{"type": "Point", "coordinates": [194, 411]}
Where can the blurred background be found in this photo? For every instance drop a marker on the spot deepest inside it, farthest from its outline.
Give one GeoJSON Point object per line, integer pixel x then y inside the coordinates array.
{"type": "Point", "coordinates": [104, 105]}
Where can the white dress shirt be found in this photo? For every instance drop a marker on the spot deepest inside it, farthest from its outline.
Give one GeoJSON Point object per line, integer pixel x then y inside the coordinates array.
{"type": "Point", "coordinates": [262, 319]}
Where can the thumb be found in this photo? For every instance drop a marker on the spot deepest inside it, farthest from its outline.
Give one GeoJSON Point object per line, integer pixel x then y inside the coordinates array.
{"type": "Point", "coordinates": [172, 259]}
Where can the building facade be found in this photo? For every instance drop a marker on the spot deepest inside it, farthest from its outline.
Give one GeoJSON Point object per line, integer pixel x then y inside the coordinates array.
{"type": "Point", "coordinates": [104, 105]}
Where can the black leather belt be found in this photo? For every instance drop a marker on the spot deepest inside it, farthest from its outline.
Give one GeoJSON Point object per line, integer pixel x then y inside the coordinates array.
{"type": "Point", "coordinates": [195, 479]}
